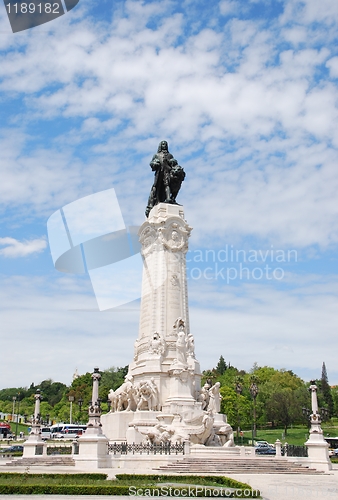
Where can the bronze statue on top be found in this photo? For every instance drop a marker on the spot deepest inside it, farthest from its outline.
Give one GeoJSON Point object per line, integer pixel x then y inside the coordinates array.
{"type": "Point", "coordinates": [169, 176]}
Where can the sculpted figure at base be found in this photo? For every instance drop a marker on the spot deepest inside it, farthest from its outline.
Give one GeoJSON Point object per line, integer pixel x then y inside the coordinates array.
{"type": "Point", "coordinates": [181, 346]}
{"type": "Point", "coordinates": [124, 398]}
{"type": "Point", "coordinates": [131, 397]}
{"type": "Point", "coordinates": [215, 398]}
{"type": "Point", "coordinates": [169, 176]}
{"type": "Point", "coordinates": [204, 396]}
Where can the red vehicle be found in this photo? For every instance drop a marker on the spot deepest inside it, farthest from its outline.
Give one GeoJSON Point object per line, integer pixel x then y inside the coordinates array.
{"type": "Point", "coordinates": [5, 430]}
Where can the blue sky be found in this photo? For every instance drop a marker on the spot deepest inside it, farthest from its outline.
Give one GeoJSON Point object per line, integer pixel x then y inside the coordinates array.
{"type": "Point", "coordinates": [246, 94]}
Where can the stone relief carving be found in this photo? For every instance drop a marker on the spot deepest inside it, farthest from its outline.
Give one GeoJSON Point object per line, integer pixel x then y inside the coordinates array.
{"type": "Point", "coordinates": [174, 237]}
{"type": "Point", "coordinates": [174, 280]}
{"type": "Point", "coordinates": [130, 396]}
{"type": "Point", "coordinates": [157, 345]}
{"type": "Point", "coordinates": [148, 236]}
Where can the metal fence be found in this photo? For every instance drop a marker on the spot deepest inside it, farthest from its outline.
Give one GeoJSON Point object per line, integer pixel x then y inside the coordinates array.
{"type": "Point", "coordinates": [59, 450]}
{"type": "Point", "coordinates": [146, 449]}
{"type": "Point", "coordinates": [291, 450]}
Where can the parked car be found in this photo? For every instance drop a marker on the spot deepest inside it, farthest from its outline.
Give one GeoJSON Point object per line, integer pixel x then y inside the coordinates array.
{"type": "Point", "coordinates": [265, 450]}
{"type": "Point", "coordinates": [14, 448]}
{"type": "Point", "coordinates": [263, 443]}
{"type": "Point", "coordinates": [334, 453]}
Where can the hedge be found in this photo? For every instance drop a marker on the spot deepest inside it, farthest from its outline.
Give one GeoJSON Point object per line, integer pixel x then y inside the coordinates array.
{"type": "Point", "coordinates": [221, 480]}
{"type": "Point", "coordinates": [26, 489]}
{"type": "Point", "coordinates": [82, 475]}
{"type": "Point", "coordinates": [54, 489]}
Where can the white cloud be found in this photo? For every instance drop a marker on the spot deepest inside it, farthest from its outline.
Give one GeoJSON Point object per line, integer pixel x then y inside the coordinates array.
{"type": "Point", "coordinates": [54, 326]}
{"type": "Point", "coordinates": [250, 115]}
{"type": "Point", "coordinates": [227, 7]}
{"type": "Point", "coordinates": [275, 327]}
{"type": "Point", "coordinates": [13, 248]}
{"type": "Point", "coordinates": [289, 328]}
{"type": "Point", "coordinates": [332, 64]}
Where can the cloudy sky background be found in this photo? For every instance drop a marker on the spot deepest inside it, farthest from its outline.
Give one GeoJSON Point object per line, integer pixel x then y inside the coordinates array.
{"type": "Point", "coordinates": [245, 92]}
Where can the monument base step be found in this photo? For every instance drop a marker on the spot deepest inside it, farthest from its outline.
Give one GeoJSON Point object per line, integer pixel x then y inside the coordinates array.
{"type": "Point", "coordinates": [234, 465]}
{"type": "Point", "coordinates": [49, 461]}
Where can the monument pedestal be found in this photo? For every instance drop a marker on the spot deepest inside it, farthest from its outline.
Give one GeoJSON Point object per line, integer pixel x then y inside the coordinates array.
{"type": "Point", "coordinates": [93, 450]}
{"type": "Point", "coordinates": [93, 444]}
{"type": "Point", "coordinates": [116, 424]}
{"type": "Point", "coordinates": [318, 448]}
{"type": "Point", "coordinates": [34, 446]}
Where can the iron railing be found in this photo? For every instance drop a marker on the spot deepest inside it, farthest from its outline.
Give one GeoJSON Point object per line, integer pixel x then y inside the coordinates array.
{"type": "Point", "coordinates": [146, 448]}
{"type": "Point", "coordinates": [59, 450]}
{"type": "Point", "coordinates": [291, 450]}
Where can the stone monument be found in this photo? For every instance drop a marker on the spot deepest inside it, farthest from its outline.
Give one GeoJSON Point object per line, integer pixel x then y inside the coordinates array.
{"type": "Point", "coordinates": [318, 448]}
{"type": "Point", "coordinates": [34, 445]}
{"type": "Point", "coordinates": [93, 444]}
{"type": "Point", "coordinates": [161, 398]}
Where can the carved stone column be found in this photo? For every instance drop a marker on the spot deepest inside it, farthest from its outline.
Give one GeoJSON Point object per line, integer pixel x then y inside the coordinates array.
{"type": "Point", "coordinates": [34, 445]}
{"type": "Point", "coordinates": [164, 348]}
{"type": "Point", "coordinates": [93, 444]}
{"type": "Point", "coordinates": [318, 448]}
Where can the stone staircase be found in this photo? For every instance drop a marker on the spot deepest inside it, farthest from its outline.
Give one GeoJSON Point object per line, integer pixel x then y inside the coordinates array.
{"type": "Point", "coordinates": [255, 465]}
{"type": "Point", "coordinates": [46, 461]}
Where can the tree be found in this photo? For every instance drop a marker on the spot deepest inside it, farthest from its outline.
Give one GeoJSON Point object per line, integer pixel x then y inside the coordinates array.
{"type": "Point", "coordinates": [326, 391]}
{"type": "Point", "coordinates": [284, 407]}
{"type": "Point", "coordinates": [221, 366]}
{"type": "Point", "coordinates": [236, 407]}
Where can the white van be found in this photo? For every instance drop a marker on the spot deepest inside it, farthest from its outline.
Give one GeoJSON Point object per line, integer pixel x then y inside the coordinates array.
{"type": "Point", "coordinates": [46, 433]}
{"type": "Point", "coordinates": [67, 431]}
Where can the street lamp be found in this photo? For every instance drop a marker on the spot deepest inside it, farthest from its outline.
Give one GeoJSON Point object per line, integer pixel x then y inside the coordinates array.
{"type": "Point", "coordinates": [17, 417]}
{"type": "Point", "coordinates": [306, 414]}
{"type": "Point", "coordinates": [239, 390]}
{"type": "Point", "coordinates": [13, 409]}
{"type": "Point", "coordinates": [71, 399]}
{"type": "Point", "coordinates": [80, 403]}
{"type": "Point", "coordinates": [324, 413]}
{"type": "Point", "coordinates": [254, 392]}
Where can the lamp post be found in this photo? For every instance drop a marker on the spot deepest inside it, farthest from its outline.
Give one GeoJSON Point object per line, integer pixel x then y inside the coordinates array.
{"type": "Point", "coordinates": [71, 399]}
{"type": "Point", "coordinates": [13, 409]}
{"type": "Point", "coordinates": [324, 413]}
{"type": "Point", "coordinates": [254, 392]}
{"type": "Point", "coordinates": [17, 417]}
{"type": "Point", "coordinates": [306, 414]}
{"type": "Point", "coordinates": [239, 390]}
{"type": "Point", "coordinates": [80, 403]}
{"type": "Point", "coordinates": [94, 411]}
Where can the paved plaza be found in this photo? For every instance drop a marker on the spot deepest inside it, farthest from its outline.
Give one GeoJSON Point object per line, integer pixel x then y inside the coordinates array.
{"type": "Point", "coordinates": [272, 486]}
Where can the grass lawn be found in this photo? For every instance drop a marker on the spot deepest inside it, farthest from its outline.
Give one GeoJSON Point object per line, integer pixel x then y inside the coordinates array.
{"type": "Point", "coordinates": [124, 484]}
{"type": "Point", "coordinates": [297, 435]}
